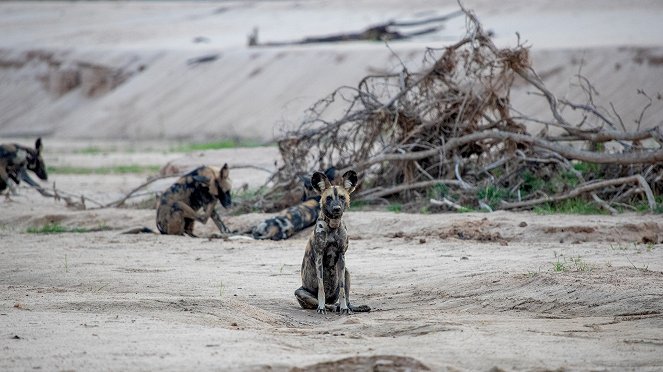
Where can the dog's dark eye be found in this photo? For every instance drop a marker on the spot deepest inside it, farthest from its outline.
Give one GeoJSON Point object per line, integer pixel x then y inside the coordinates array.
{"type": "Point", "coordinates": [329, 199]}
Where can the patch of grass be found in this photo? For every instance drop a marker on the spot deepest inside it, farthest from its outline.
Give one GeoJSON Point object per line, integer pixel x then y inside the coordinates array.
{"type": "Point", "coordinates": [216, 145]}
{"type": "Point", "coordinates": [531, 183]}
{"type": "Point", "coordinates": [574, 264]}
{"type": "Point", "coordinates": [569, 206]}
{"type": "Point", "coordinates": [559, 266]}
{"type": "Point", "coordinates": [643, 206]}
{"type": "Point", "coordinates": [54, 228]}
{"type": "Point", "coordinates": [91, 150]}
{"type": "Point", "coordinates": [395, 207]}
{"type": "Point", "coordinates": [493, 195]}
{"type": "Point", "coordinates": [438, 191]}
{"type": "Point", "coordinates": [51, 228]}
{"type": "Point", "coordinates": [586, 168]}
{"type": "Point", "coordinates": [118, 169]}
{"type": "Point", "coordinates": [580, 265]}
{"type": "Point", "coordinates": [561, 182]}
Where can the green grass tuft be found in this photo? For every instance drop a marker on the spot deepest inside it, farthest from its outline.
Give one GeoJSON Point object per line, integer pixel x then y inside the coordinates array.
{"type": "Point", "coordinates": [438, 191]}
{"type": "Point", "coordinates": [395, 207]}
{"type": "Point", "coordinates": [217, 145]}
{"type": "Point", "coordinates": [118, 169]}
{"type": "Point", "coordinates": [493, 195]}
{"type": "Point", "coordinates": [531, 183]}
{"type": "Point", "coordinates": [559, 266]}
{"type": "Point", "coordinates": [50, 228]}
{"type": "Point", "coordinates": [54, 228]}
{"type": "Point", "coordinates": [570, 206]}
{"type": "Point", "coordinates": [586, 168]}
{"type": "Point", "coordinates": [90, 150]}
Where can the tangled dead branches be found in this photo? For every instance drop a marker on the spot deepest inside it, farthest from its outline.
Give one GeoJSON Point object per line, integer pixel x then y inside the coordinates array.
{"type": "Point", "coordinates": [450, 132]}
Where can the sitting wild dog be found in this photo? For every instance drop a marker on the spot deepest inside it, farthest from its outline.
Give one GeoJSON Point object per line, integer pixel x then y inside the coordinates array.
{"type": "Point", "coordinates": [16, 159]}
{"type": "Point", "coordinates": [179, 206]}
{"type": "Point", "coordinates": [325, 278]}
{"type": "Point", "coordinates": [296, 218]}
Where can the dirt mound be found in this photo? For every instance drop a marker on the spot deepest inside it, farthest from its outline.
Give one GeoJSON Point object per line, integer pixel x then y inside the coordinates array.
{"type": "Point", "coordinates": [477, 230]}
{"type": "Point", "coordinates": [474, 230]}
{"type": "Point", "coordinates": [643, 233]}
{"type": "Point", "coordinates": [368, 363]}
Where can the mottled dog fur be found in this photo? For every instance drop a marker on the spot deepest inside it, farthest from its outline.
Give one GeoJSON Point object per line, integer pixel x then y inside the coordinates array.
{"type": "Point", "coordinates": [179, 206]}
{"type": "Point", "coordinates": [288, 222]}
{"type": "Point", "coordinates": [325, 279]}
{"type": "Point", "coordinates": [296, 218]}
{"type": "Point", "coordinates": [16, 159]}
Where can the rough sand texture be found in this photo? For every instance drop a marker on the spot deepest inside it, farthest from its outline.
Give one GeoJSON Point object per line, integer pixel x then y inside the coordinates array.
{"type": "Point", "coordinates": [452, 291]}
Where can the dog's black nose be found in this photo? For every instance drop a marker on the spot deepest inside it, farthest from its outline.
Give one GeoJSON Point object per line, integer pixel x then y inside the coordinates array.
{"type": "Point", "coordinates": [336, 208]}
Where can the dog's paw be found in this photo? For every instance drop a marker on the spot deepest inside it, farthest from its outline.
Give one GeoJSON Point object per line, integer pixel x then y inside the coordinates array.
{"type": "Point", "coordinates": [346, 311]}
{"type": "Point", "coordinates": [322, 310]}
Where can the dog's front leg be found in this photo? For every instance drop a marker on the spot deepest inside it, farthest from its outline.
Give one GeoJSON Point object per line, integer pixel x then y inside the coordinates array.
{"type": "Point", "coordinates": [319, 252]}
{"type": "Point", "coordinates": [343, 301]}
{"type": "Point", "coordinates": [206, 214]}
{"type": "Point", "coordinates": [219, 223]}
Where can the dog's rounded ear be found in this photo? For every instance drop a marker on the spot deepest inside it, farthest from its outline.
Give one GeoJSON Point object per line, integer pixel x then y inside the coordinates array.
{"type": "Point", "coordinates": [225, 171]}
{"type": "Point", "coordinates": [320, 182]}
{"type": "Point", "coordinates": [38, 145]}
{"type": "Point", "coordinates": [350, 180]}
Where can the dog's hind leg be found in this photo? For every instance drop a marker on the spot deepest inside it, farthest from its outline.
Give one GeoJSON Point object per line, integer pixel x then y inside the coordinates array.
{"type": "Point", "coordinates": [308, 300]}
{"type": "Point", "coordinates": [188, 227]}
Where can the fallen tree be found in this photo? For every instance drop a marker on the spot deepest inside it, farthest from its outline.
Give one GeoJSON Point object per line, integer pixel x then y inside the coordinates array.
{"type": "Point", "coordinates": [449, 132]}
{"type": "Point", "coordinates": [391, 30]}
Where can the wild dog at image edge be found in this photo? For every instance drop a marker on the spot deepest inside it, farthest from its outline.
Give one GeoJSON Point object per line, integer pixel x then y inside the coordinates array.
{"type": "Point", "coordinates": [15, 159]}
{"type": "Point", "coordinates": [180, 205]}
{"type": "Point", "coordinates": [325, 278]}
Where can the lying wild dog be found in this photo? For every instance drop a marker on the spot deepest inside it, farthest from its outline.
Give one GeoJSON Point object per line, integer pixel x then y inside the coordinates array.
{"type": "Point", "coordinates": [15, 160]}
{"type": "Point", "coordinates": [296, 218]}
{"type": "Point", "coordinates": [179, 206]}
{"type": "Point", "coordinates": [289, 222]}
{"type": "Point", "coordinates": [325, 278]}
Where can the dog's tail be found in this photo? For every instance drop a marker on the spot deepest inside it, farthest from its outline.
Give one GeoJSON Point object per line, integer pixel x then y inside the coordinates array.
{"type": "Point", "coordinates": [140, 230]}
{"type": "Point", "coordinates": [360, 308]}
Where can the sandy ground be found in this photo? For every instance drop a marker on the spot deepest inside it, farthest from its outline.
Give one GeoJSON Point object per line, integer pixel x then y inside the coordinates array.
{"type": "Point", "coordinates": [449, 292]}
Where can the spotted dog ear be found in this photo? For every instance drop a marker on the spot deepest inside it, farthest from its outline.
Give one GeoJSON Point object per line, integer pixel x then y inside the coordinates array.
{"type": "Point", "coordinates": [350, 181]}
{"type": "Point", "coordinates": [320, 182]}
{"type": "Point", "coordinates": [38, 145]}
